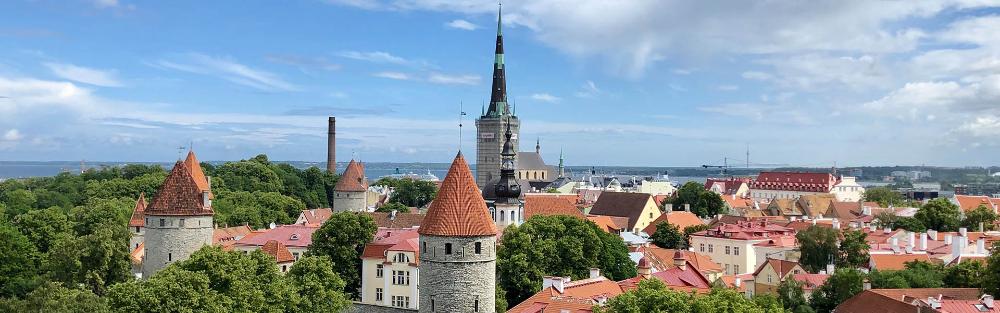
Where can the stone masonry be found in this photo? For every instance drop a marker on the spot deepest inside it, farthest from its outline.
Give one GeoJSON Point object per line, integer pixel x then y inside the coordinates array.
{"type": "Point", "coordinates": [459, 281]}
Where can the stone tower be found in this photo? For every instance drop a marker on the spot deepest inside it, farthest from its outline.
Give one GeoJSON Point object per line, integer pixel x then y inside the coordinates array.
{"type": "Point", "coordinates": [503, 194]}
{"type": "Point", "coordinates": [491, 124]}
{"type": "Point", "coordinates": [179, 220]}
{"type": "Point", "coordinates": [458, 248]}
{"type": "Point", "coordinates": [136, 224]}
{"type": "Point", "coordinates": [350, 192]}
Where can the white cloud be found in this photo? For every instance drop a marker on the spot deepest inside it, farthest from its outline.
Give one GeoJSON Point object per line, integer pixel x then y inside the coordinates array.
{"type": "Point", "coordinates": [12, 135]}
{"type": "Point", "coordinates": [446, 79]}
{"type": "Point", "coordinates": [462, 24]}
{"type": "Point", "coordinates": [756, 75]}
{"type": "Point", "coordinates": [545, 97]}
{"type": "Point", "coordinates": [382, 57]}
{"type": "Point", "coordinates": [588, 90]}
{"type": "Point", "coordinates": [393, 75]}
{"type": "Point", "coordinates": [104, 78]}
{"type": "Point", "coordinates": [727, 87]}
{"type": "Point", "coordinates": [227, 69]}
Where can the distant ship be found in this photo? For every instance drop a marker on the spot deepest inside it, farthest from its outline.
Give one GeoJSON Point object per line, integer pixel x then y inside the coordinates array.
{"type": "Point", "coordinates": [411, 175]}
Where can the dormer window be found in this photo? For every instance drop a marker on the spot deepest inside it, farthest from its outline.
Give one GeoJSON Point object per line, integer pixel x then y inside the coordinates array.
{"type": "Point", "coordinates": [401, 258]}
{"type": "Point", "coordinates": [294, 237]}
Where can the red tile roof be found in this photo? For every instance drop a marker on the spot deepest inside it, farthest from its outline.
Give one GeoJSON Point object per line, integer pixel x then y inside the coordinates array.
{"type": "Point", "coordinates": [969, 306]}
{"type": "Point", "coordinates": [749, 230]}
{"type": "Point", "coordinates": [550, 205]}
{"type": "Point", "coordinates": [811, 281]}
{"type": "Point", "coordinates": [399, 220]}
{"type": "Point", "coordinates": [611, 224]}
{"type": "Point", "coordinates": [179, 195]}
{"type": "Point", "coordinates": [138, 254]}
{"type": "Point", "coordinates": [686, 279]}
{"type": "Point", "coordinates": [794, 181]}
{"type": "Point", "coordinates": [662, 259]}
{"type": "Point", "coordinates": [353, 178]}
{"type": "Point", "coordinates": [681, 219]}
{"type": "Point", "coordinates": [900, 300]}
{"type": "Point", "coordinates": [782, 267]}
{"type": "Point", "coordinates": [392, 239]}
{"type": "Point", "coordinates": [969, 203]}
{"type": "Point", "coordinates": [729, 186]}
{"type": "Point", "coordinates": [316, 216]}
{"type": "Point", "coordinates": [459, 208]}
{"type": "Point", "coordinates": [577, 296]}
{"type": "Point", "coordinates": [138, 213]}
{"type": "Point", "coordinates": [194, 167]}
{"type": "Point", "coordinates": [299, 236]}
{"type": "Point", "coordinates": [896, 262]}
{"type": "Point", "coordinates": [277, 250]}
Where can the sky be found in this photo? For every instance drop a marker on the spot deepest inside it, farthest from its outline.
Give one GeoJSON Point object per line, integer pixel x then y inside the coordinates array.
{"type": "Point", "coordinates": [643, 83]}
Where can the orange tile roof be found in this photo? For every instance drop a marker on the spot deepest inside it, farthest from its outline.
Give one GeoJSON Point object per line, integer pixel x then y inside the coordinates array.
{"type": "Point", "coordinates": [663, 259]}
{"type": "Point", "coordinates": [609, 223]}
{"type": "Point", "coordinates": [900, 300]}
{"type": "Point", "coordinates": [896, 262]}
{"type": "Point", "coordinates": [782, 267]}
{"type": "Point", "coordinates": [550, 205]}
{"type": "Point", "coordinates": [137, 219]}
{"type": "Point", "coordinates": [277, 250]}
{"type": "Point", "coordinates": [577, 296]}
{"type": "Point", "coordinates": [317, 216]}
{"type": "Point", "coordinates": [138, 254]}
{"type": "Point", "coordinates": [969, 203]}
{"type": "Point", "coordinates": [459, 208]}
{"type": "Point", "coordinates": [179, 195]}
{"type": "Point", "coordinates": [681, 219]}
{"type": "Point", "coordinates": [353, 178]}
{"type": "Point", "coordinates": [230, 234]}
{"type": "Point", "coordinates": [194, 167]}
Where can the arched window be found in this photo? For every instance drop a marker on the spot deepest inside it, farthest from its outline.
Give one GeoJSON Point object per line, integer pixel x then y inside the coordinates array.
{"type": "Point", "coordinates": [512, 216]}
{"type": "Point", "coordinates": [501, 215]}
{"type": "Point", "coordinates": [401, 258]}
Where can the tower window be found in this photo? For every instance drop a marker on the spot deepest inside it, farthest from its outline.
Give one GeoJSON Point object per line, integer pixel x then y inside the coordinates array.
{"type": "Point", "coordinates": [476, 305]}
{"type": "Point", "coordinates": [423, 249]}
{"type": "Point", "coordinates": [447, 248]}
{"type": "Point", "coordinates": [479, 247]}
{"type": "Point", "coordinates": [181, 223]}
{"type": "Point", "coordinates": [163, 222]}
{"type": "Point", "coordinates": [512, 216]}
{"type": "Point", "coordinates": [170, 257]}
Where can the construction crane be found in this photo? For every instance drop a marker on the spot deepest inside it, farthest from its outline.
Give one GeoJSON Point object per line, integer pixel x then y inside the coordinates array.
{"type": "Point", "coordinates": [723, 167]}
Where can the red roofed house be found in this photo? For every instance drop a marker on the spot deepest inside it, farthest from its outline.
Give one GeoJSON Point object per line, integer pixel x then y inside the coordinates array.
{"type": "Point", "coordinates": [390, 267]}
{"type": "Point", "coordinates": [916, 300]}
{"type": "Point", "coordinates": [894, 262]}
{"type": "Point", "coordinates": [769, 275]}
{"type": "Point", "coordinates": [810, 282]}
{"type": "Point", "coordinates": [314, 217]}
{"type": "Point", "coordinates": [683, 276]}
{"type": "Point", "coordinates": [280, 253]}
{"type": "Point", "coordinates": [554, 204]}
{"type": "Point", "coordinates": [661, 259]}
{"type": "Point", "coordinates": [295, 238]}
{"type": "Point", "coordinates": [737, 187]}
{"type": "Point", "coordinates": [790, 185]}
{"type": "Point", "coordinates": [351, 191]}
{"type": "Point", "coordinates": [734, 245]}
{"type": "Point", "coordinates": [639, 208]}
{"type": "Point", "coordinates": [179, 221]}
{"type": "Point", "coordinates": [681, 219]}
{"type": "Point", "coordinates": [969, 203]}
{"type": "Point", "coordinates": [611, 224]}
{"type": "Point", "coordinates": [137, 224]}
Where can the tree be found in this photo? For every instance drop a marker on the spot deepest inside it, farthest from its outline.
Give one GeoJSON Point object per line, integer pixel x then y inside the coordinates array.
{"type": "Point", "coordinates": [916, 274]}
{"type": "Point", "coordinates": [393, 206]}
{"type": "Point", "coordinates": [842, 285]}
{"type": "Point", "coordinates": [652, 295]}
{"type": "Point", "coordinates": [691, 230]}
{"type": "Point", "coordinates": [667, 236]}
{"type": "Point", "coordinates": [501, 300]}
{"type": "Point", "coordinates": [703, 203]}
{"type": "Point", "coordinates": [42, 227]}
{"type": "Point", "coordinates": [53, 297]}
{"type": "Point", "coordinates": [557, 246]}
{"type": "Point", "coordinates": [884, 196]}
{"type": "Point", "coordinates": [939, 214]}
{"type": "Point", "coordinates": [18, 262]}
{"type": "Point", "coordinates": [19, 201]}
{"type": "Point", "coordinates": [980, 217]}
{"type": "Point", "coordinates": [410, 192]}
{"type": "Point", "coordinates": [172, 289]}
{"type": "Point", "coordinates": [991, 276]}
{"type": "Point", "coordinates": [818, 246]}
{"type": "Point", "coordinates": [249, 176]}
{"type": "Point", "coordinates": [910, 224]}
{"type": "Point", "coordinates": [319, 289]}
{"type": "Point", "coordinates": [257, 208]}
{"type": "Point", "coordinates": [792, 296]}
{"type": "Point", "coordinates": [97, 260]}
{"type": "Point", "coordinates": [968, 274]}
{"type": "Point", "coordinates": [342, 238]}
{"type": "Point", "coordinates": [853, 250]}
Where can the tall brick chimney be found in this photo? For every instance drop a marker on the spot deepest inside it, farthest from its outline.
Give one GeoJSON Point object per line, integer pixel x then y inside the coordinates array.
{"type": "Point", "coordinates": [331, 145]}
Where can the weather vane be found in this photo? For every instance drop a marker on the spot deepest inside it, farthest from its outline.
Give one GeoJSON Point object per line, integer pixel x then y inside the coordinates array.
{"type": "Point", "coordinates": [461, 113]}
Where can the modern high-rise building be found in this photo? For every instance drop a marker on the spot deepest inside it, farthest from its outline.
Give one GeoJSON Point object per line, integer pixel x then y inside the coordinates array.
{"type": "Point", "coordinates": [491, 124]}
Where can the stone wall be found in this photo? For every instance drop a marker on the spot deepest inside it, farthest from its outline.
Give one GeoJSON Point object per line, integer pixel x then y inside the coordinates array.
{"type": "Point", "coordinates": [173, 242]}
{"type": "Point", "coordinates": [349, 201]}
{"type": "Point", "coordinates": [456, 282]}
{"type": "Point", "coordinates": [368, 308]}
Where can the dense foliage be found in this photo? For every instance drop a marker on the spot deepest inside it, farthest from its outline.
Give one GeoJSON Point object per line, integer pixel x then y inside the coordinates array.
{"type": "Point", "coordinates": [703, 203]}
{"type": "Point", "coordinates": [939, 214]}
{"type": "Point", "coordinates": [557, 246]}
{"type": "Point", "coordinates": [409, 192]}
{"type": "Point", "coordinates": [842, 285]}
{"type": "Point", "coordinates": [342, 238]}
{"type": "Point", "coordinates": [818, 246]}
{"type": "Point", "coordinates": [668, 236]}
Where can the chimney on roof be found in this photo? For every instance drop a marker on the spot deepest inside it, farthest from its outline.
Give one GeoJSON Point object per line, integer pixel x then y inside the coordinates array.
{"type": "Point", "coordinates": [738, 282]}
{"type": "Point", "coordinates": [680, 261]}
{"type": "Point", "coordinates": [866, 210]}
{"type": "Point", "coordinates": [687, 207]}
{"type": "Point", "coordinates": [595, 272]}
{"type": "Point", "coordinates": [947, 239]}
{"type": "Point", "coordinates": [894, 243]}
{"type": "Point", "coordinates": [792, 218]}
{"type": "Point", "coordinates": [981, 246]}
{"type": "Point", "coordinates": [956, 249]}
{"type": "Point", "coordinates": [912, 243]}
{"type": "Point", "coordinates": [932, 234]}
{"type": "Point", "coordinates": [923, 241]}
{"type": "Point", "coordinates": [331, 145]}
{"type": "Point", "coordinates": [830, 268]}
{"type": "Point", "coordinates": [963, 231]}
{"type": "Point", "coordinates": [669, 207]}
{"type": "Point", "coordinates": [557, 283]}
{"type": "Point", "coordinates": [392, 215]}
{"type": "Point", "coordinates": [205, 199]}
{"type": "Point", "coordinates": [836, 223]}
{"type": "Point", "coordinates": [867, 284]}
{"type": "Point", "coordinates": [987, 301]}
{"type": "Point", "coordinates": [934, 303]}
{"type": "Point", "coordinates": [814, 222]}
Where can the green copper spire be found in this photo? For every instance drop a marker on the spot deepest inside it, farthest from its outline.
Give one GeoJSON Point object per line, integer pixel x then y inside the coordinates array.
{"type": "Point", "coordinates": [498, 94]}
{"type": "Point", "coordinates": [499, 16]}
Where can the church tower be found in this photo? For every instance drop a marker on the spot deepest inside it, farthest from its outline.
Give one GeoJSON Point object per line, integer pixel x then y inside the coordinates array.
{"type": "Point", "coordinates": [504, 202]}
{"type": "Point", "coordinates": [492, 123]}
{"type": "Point", "coordinates": [458, 248]}
{"type": "Point", "coordinates": [179, 221]}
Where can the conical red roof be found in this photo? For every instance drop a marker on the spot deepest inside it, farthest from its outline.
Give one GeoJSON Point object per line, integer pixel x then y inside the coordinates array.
{"type": "Point", "coordinates": [459, 209]}
{"type": "Point", "coordinates": [138, 213]}
{"type": "Point", "coordinates": [353, 178]}
{"type": "Point", "coordinates": [193, 166]}
{"type": "Point", "coordinates": [179, 195]}
{"type": "Point", "coordinates": [278, 250]}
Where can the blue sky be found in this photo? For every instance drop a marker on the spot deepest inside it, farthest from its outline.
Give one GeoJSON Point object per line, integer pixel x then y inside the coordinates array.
{"type": "Point", "coordinates": [664, 83]}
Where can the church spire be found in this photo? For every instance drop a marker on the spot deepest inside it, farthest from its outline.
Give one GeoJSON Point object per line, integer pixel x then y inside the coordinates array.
{"type": "Point", "coordinates": [562, 169]}
{"type": "Point", "coordinates": [498, 98]}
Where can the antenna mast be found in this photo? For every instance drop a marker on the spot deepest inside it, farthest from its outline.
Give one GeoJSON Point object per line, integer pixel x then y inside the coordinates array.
{"type": "Point", "coordinates": [461, 113]}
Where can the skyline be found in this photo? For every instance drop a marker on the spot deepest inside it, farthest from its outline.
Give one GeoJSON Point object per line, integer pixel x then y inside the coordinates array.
{"type": "Point", "coordinates": [652, 83]}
